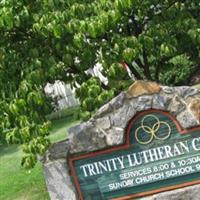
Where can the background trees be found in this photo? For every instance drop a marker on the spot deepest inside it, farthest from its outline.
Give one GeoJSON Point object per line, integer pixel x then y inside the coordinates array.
{"type": "Point", "coordinates": [45, 40]}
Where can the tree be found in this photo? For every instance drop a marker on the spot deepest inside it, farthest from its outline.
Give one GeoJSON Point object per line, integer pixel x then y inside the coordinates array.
{"type": "Point", "coordinates": [45, 40]}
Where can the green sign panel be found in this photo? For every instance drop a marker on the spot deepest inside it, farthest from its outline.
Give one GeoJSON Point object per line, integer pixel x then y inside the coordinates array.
{"type": "Point", "coordinates": [157, 155]}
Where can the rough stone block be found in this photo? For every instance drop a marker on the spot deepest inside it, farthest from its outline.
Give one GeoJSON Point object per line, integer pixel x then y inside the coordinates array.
{"type": "Point", "coordinates": [187, 120]}
{"type": "Point", "coordinates": [177, 105]}
{"type": "Point", "coordinates": [139, 88]}
{"type": "Point", "coordinates": [58, 181]}
{"type": "Point", "coordinates": [115, 136]}
{"type": "Point", "coordinates": [194, 106]}
{"type": "Point", "coordinates": [187, 193]}
{"type": "Point", "coordinates": [103, 122]}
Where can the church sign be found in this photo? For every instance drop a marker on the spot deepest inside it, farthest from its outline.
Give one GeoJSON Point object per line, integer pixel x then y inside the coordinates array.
{"type": "Point", "coordinates": [157, 155]}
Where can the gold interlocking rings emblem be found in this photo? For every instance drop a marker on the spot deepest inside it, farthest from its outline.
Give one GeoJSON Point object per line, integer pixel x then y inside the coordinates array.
{"type": "Point", "coordinates": [151, 131]}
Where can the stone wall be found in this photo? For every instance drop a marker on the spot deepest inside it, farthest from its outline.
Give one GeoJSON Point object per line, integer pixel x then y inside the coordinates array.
{"type": "Point", "coordinates": [106, 128]}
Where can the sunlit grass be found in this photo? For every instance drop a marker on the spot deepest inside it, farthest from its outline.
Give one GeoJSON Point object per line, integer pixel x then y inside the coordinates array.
{"type": "Point", "coordinates": [17, 183]}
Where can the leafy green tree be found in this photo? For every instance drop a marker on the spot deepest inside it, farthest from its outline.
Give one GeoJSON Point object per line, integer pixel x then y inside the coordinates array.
{"type": "Point", "coordinates": [45, 40]}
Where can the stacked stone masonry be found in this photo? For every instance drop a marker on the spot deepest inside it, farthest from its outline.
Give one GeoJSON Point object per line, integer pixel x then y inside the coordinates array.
{"type": "Point", "coordinates": [107, 127]}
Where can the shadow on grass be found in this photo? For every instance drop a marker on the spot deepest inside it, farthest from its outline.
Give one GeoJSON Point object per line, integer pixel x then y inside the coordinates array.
{"type": "Point", "coordinates": [8, 149]}
{"type": "Point", "coordinates": [57, 124]}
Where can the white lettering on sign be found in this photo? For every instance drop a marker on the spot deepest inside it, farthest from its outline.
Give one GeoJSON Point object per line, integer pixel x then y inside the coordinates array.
{"type": "Point", "coordinates": [158, 172]}
{"type": "Point", "coordinates": [196, 144]}
{"type": "Point", "coordinates": [119, 185]}
{"type": "Point", "coordinates": [140, 158]}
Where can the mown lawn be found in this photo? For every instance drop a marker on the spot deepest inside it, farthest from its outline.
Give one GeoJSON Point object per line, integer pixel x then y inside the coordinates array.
{"type": "Point", "coordinates": [17, 183]}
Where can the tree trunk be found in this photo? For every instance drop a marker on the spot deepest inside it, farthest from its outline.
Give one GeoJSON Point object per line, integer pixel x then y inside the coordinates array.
{"type": "Point", "coordinates": [134, 71]}
{"type": "Point", "coordinates": [147, 72]}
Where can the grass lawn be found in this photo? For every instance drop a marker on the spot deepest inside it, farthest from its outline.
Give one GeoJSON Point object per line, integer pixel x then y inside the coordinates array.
{"type": "Point", "coordinates": [197, 86]}
{"type": "Point", "coordinates": [17, 183]}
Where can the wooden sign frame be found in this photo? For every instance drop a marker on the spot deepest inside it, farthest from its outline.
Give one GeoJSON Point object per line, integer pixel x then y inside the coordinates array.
{"type": "Point", "coordinates": [125, 146]}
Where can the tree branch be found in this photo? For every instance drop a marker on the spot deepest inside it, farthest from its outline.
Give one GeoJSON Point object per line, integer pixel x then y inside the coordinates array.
{"type": "Point", "coordinates": [158, 67]}
{"type": "Point", "coordinates": [139, 63]}
{"type": "Point", "coordinates": [159, 14]}
{"type": "Point", "coordinates": [138, 29]}
{"type": "Point", "coordinates": [147, 72]}
{"type": "Point", "coordinates": [73, 69]}
{"type": "Point", "coordinates": [133, 70]}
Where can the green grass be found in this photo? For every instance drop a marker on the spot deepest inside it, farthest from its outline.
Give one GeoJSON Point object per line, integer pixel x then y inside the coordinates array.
{"type": "Point", "coordinates": [197, 86]}
{"type": "Point", "coordinates": [66, 112]}
{"type": "Point", "coordinates": [59, 128]}
{"type": "Point", "coordinates": [17, 183]}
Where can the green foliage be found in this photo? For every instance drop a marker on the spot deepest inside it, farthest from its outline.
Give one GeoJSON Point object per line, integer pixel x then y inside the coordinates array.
{"type": "Point", "coordinates": [92, 96]}
{"type": "Point", "coordinates": [46, 40]}
{"type": "Point", "coordinates": [181, 66]}
{"type": "Point", "coordinates": [116, 71]}
{"type": "Point", "coordinates": [18, 183]}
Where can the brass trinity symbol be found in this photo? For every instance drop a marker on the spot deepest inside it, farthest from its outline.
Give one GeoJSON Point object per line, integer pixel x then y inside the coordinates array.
{"type": "Point", "coordinates": [145, 133]}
